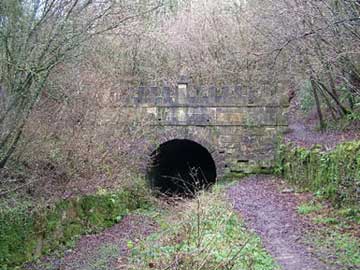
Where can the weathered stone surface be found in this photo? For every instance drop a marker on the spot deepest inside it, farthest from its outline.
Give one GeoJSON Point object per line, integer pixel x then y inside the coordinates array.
{"type": "Point", "coordinates": [238, 125]}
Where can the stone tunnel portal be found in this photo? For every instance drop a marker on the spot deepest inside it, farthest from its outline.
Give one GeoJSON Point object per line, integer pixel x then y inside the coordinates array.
{"type": "Point", "coordinates": [181, 167]}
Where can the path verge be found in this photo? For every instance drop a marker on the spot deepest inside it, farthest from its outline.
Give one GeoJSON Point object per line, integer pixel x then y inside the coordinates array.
{"type": "Point", "coordinates": [271, 211]}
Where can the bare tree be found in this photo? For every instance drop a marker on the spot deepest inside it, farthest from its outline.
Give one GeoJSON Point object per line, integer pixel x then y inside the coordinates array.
{"type": "Point", "coordinates": [38, 35]}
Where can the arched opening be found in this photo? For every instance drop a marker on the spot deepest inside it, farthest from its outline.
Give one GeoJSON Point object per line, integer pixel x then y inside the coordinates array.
{"type": "Point", "coordinates": [181, 167]}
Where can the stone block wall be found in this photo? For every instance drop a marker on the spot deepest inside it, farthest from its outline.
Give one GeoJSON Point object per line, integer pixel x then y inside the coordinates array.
{"type": "Point", "coordinates": [238, 126]}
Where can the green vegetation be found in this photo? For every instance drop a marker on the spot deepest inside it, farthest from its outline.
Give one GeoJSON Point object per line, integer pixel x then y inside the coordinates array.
{"type": "Point", "coordinates": [306, 97]}
{"type": "Point", "coordinates": [101, 261]}
{"type": "Point", "coordinates": [333, 241]}
{"type": "Point", "coordinates": [333, 175]}
{"type": "Point", "coordinates": [326, 220]}
{"type": "Point", "coordinates": [26, 234]}
{"type": "Point", "coordinates": [344, 246]}
{"type": "Point", "coordinates": [204, 234]}
{"type": "Point", "coordinates": [307, 208]}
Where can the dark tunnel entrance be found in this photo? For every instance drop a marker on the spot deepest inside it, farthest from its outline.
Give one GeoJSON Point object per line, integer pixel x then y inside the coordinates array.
{"type": "Point", "coordinates": [181, 167]}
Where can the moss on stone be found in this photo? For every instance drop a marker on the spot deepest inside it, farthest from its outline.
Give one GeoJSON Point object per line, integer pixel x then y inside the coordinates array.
{"type": "Point", "coordinates": [25, 235]}
{"type": "Point", "coordinates": [335, 174]}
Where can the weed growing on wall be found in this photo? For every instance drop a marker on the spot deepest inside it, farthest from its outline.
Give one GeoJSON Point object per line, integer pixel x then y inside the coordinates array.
{"type": "Point", "coordinates": [333, 175]}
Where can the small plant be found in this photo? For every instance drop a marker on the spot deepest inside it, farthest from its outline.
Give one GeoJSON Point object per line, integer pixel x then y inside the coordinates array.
{"type": "Point", "coordinates": [326, 220]}
{"type": "Point", "coordinates": [307, 208]}
{"type": "Point", "coordinates": [351, 214]}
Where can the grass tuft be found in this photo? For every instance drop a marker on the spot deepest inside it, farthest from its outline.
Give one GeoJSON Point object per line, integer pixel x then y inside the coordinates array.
{"type": "Point", "coordinates": [202, 234]}
{"type": "Point", "coordinates": [309, 207]}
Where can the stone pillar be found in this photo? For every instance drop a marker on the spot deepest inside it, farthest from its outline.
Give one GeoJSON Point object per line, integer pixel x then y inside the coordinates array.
{"type": "Point", "coordinates": [182, 90]}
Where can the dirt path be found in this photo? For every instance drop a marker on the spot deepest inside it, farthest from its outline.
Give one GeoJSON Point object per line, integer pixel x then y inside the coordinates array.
{"type": "Point", "coordinates": [107, 250]}
{"type": "Point", "coordinates": [270, 210]}
{"type": "Point", "coordinates": [303, 130]}
{"type": "Point", "coordinates": [304, 136]}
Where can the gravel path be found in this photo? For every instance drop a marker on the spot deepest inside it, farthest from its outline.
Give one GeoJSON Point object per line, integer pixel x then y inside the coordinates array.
{"type": "Point", "coordinates": [103, 251]}
{"type": "Point", "coordinates": [270, 210]}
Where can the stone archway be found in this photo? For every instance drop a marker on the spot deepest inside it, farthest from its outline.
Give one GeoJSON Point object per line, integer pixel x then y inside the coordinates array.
{"type": "Point", "coordinates": [181, 167]}
{"type": "Point", "coordinates": [238, 126]}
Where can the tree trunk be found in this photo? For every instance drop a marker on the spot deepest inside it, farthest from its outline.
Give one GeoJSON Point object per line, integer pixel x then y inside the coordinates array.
{"type": "Point", "coordinates": [333, 111]}
{"type": "Point", "coordinates": [317, 101]}
{"type": "Point", "coordinates": [343, 110]}
{"type": "Point", "coordinates": [12, 148]}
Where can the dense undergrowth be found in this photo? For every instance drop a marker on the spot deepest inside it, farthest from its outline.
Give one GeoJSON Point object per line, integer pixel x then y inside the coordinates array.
{"type": "Point", "coordinates": [203, 233]}
{"type": "Point", "coordinates": [28, 231]}
{"type": "Point", "coordinates": [334, 175]}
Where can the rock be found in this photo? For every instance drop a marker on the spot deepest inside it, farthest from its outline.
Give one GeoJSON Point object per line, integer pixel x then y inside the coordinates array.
{"type": "Point", "coordinates": [288, 190]}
